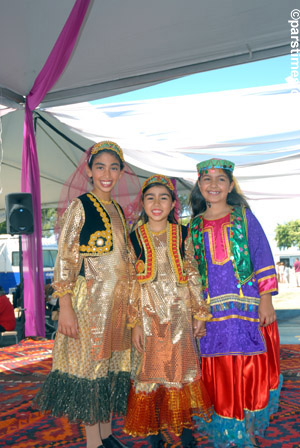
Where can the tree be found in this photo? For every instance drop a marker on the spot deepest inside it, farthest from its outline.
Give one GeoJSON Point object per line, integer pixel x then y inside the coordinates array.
{"type": "Point", "coordinates": [3, 227]}
{"type": "Point", "coordinates": [49, 217]}
{"type": "Point", "coordinates": [288, 235]}
{"type": "Point", "coordinates": [184, 205]}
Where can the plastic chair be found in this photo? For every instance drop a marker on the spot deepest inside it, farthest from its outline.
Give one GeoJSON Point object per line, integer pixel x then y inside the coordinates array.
{"type": "Point", "coordinates": [5, 334]}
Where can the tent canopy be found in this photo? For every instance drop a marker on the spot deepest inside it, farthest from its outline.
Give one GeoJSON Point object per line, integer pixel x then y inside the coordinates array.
{"type": "Point", "coordinates": [132, 44]}
{"type": "Point", "coordinates": [59, 152]}
{"type": "Point", "coordinates": [126, 45]}
{"type": "Point", "coordinates": [122, 46]}
{"type": "Point", "coordinates": [260, 133]}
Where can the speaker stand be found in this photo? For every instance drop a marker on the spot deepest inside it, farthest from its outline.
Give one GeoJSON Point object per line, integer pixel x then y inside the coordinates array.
{"type": "Point", "coordinates": [22, 318]}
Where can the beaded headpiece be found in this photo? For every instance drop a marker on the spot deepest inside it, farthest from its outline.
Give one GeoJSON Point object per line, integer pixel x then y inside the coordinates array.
{"type": "Point", "coordinates": [158, 179]}
{"type": "Point", "coordinates": [215, 163]}
{"type": "Point", "coordinates": [101, 146]}
{"type": "Point", "coordinates": [126, 192]}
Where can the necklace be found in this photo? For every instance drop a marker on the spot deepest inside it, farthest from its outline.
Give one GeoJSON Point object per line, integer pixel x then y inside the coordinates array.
{"type": "Point", "coordinates": [158, 233]}
{"type": "Point", "coordinates": [102, 200]}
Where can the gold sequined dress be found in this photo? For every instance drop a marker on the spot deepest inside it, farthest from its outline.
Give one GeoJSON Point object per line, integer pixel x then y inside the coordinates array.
{"type": "Point", "coordinates": [167, 389]}
{"type": "Point", "coordinates": [90, 376]}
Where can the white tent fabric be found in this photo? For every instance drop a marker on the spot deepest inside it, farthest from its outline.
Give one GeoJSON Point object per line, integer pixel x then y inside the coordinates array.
{"type": "Point", "coordinates": [130, 44]}
{"type": "Point", "coordinates": [124, 46]}
{"type": "Point", "coordinates": [257, 128]}
{"type": "Point", "coordinates": [58, 157]}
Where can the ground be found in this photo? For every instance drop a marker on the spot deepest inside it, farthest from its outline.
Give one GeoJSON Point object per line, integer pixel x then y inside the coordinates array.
{"type": "Point", "coordinates": [287, 306]}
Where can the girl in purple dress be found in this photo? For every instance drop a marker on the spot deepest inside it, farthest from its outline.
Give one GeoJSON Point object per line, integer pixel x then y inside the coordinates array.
{"type": "Point", "coordinates": [240, 352]}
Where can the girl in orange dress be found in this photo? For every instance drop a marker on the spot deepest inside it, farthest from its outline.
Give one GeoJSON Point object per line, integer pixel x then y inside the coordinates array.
{"type": "Point", "coordinates": [166, 313]}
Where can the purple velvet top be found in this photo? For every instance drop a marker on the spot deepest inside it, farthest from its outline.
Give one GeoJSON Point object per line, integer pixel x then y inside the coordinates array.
{"type": "Point", "coordinates": [234, 328]}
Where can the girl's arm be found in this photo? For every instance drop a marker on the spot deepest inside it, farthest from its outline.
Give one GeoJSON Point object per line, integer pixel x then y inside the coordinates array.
{"type": "Point", "coordinates": [134, 306]}
{"type": "Point", "coordinates": [67, 268]}
{"type": "Point", "coordinates": [200, 309]}
{"type": "Point", "coordinates": [264, 269]}
{"type": "Point", "coordinates": [137, 338]}
{"type": "Point", "coordinates": [199, 328]}
{"type": "Point", "coordinates": [67, 320]}
{"type": "Point", "coordinates": [261, 257]}
{"type": "Point", "coordinates": [134, 319]}
{"type": "Point", "coordinates": [266, 312]}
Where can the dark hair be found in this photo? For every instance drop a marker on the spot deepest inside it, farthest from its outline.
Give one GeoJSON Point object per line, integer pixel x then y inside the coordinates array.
{"type": "Point", "coordinates": [109, 151]}
{"type": "Point", "coordinates": [198, 202]}
{"type": "Point", "coordinates": [144, 218]}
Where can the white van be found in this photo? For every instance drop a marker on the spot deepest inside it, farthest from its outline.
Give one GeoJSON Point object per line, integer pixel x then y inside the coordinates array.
{"type": "Point", "coordinates": [10, 261]}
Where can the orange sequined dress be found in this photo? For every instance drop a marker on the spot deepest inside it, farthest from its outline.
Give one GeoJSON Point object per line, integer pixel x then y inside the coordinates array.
{"type": "Point", "coordinates": [167, 389]}
{"type": "Point", "coordinates": [90, 376]}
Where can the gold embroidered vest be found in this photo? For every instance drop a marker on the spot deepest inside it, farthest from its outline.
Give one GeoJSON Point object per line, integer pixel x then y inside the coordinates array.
{"type": "Point", "coordinates": [146, 266]}
{"type": "Point", "coordinates": [96, 234]}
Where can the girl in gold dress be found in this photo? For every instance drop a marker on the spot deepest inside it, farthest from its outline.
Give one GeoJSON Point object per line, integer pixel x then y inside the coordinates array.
{"type": "Point", "coordinates": [90, 375]}
{"type": "Point", "coordinates": [166, 313]}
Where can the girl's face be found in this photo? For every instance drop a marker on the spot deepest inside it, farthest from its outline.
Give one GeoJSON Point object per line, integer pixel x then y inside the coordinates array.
{"type": "Point", "coordinates": [105, 172]}
{"type": "Point", "coordinates": [157, 204]}
{"type": "Point", "coordinates": [215, 186]}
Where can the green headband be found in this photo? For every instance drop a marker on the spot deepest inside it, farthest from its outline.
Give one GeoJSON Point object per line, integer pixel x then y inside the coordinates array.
{"type": "Point", "coordinates": [107, 145]}
{"type": "Point", "coordinates": [215, 163]}
{"type": "Point", "coordinates": [158, 179]}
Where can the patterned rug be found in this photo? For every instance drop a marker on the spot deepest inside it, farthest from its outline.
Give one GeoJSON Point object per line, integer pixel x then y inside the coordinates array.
{"type": "Point", "coordinates": [23, 368]}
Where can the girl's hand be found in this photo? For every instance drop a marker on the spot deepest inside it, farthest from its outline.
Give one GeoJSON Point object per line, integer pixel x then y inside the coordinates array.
{"type": "Point", "coordinates": [199, 327]}
{"type": "Point", "coordinates": [67, 320]}
{"type": "Point", "coordinates": [137, 338]}
{"type": "Point", "coordinates": [266, 312]}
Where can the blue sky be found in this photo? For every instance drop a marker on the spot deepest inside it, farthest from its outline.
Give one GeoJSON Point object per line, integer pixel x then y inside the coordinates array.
{"type": "Point", "coordinates": [254, 74]}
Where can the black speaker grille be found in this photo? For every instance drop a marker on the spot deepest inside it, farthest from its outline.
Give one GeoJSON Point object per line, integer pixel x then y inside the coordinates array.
{"type": "Point", "coordinates": [21, 219]}
{"type": "Point", "coordinates": [19, 213]}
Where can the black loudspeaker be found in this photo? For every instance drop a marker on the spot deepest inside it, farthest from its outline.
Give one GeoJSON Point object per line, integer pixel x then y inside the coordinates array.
{"type": "Point", "coordinates": [19, 213]}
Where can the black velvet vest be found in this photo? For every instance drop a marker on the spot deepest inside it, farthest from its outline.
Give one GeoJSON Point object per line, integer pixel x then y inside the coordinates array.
{"type": "Point", "coordinates": [96, 234]}
{"type": "Point", "coordinates": [145, 252]}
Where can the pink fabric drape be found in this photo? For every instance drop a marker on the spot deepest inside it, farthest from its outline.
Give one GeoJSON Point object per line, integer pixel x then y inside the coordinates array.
{"type": "Point", "coordinates": [34, 297]}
